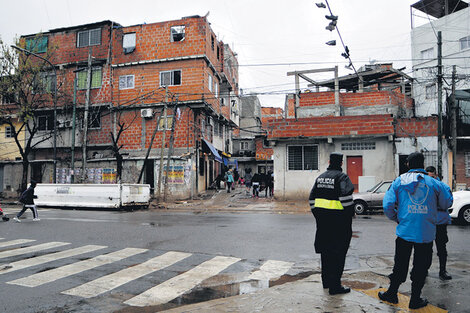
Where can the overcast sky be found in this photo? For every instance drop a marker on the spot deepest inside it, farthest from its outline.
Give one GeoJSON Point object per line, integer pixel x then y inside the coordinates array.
{"type": "Point", "coordinates": [271, 37]}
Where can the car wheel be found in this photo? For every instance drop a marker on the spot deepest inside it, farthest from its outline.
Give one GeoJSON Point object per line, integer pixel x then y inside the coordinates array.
{"type": "Point", "coordinates": [360, 207]}
{"type": "Point", "coordinates": [464, 215]}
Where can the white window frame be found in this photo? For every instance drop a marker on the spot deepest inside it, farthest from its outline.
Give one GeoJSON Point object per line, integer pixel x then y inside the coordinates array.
{"type": "Point", "coordinates": [210, 82]}
{"type": "Point", "coordinates": [127, 83]}
{"type": "Point", "coordinates": [303, 158]}
{"type": "Point", "coordinates": [216, 89]}
{"type": "Point", "coordinates": [427, 54]}
{"type": "Point", "coordinates": [464, 43]}
{"type": "Point", "coordinates": [431, 91]}
{"type": "Point", "coordinates": [8, 132]}
{"type": "Point", "coordinates": [88, 32]}
{"type": "Point", "coordinates": [128, 42]}
{"type": "Point", "coordinates": [172, 78]}
{"type": "Point", "coordinates": [177, 30]}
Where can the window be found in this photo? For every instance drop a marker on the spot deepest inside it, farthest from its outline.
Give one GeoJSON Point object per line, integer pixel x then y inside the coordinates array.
{"type": "Point", "coordinates": [218, 53]}
{"type": "Point", "coordinates": [126, 81]}
{"type": "Point", "coordinates": [170, 78]}
{"type": "Point", "coordinates": [243, 145]}
{"type": "Point", "coordinates": [464, 43]}
{"type": "Point", "coordinates": [467, 164]}
{"type": "Point", "coordinates": [427, 54]}
{"type": "Point", "coordinates": [94, 120]}
{"type": "Point", "coordinates": [212, 42]}
{"type": "Point", "coordinates": [431, 91]}
{"type": "Point", "coordinates": [95, 78]}
{"type": "Point", "coordinates": [46, 84]}
{"type": "Point", "coordinates": [37, 44]}
{"type": "Point", "coordinates": [210, 82]}
{"type": "Point", "coordinates": [90, 37]}
{"type": "Point", "coordinates": [430, 158]}
{"type": "Point", "coordinates": [169, 122]}
{"type": "Point", "coordinates": [45, 121]}
{"type": "Point", "coordinates": [128, 43]}
{"type": "Point", "coordinates": [216, 89]}
{"type": "Point", "coordinates": [302, 158]}
{"type": "Point", "coordinates": [358, 146]}
{"type": "Point", "coordinates": [177, 33]}
{"type": "Point", "coordinates": [9, 132]}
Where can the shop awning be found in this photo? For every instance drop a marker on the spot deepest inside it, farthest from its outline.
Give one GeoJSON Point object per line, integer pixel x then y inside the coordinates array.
{"type": "Point", "coordinates": [213, 150]}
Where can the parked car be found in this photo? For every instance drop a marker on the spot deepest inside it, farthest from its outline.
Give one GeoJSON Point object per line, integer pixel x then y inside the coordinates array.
{"type": "Point", "coordinates": [371, 199]}
{"type": "Point", "coordinates": [460, 209]}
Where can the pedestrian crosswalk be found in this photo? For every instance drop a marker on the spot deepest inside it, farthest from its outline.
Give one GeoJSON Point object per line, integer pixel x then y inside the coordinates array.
{"type": "Point", "coordinates": [16, 254]}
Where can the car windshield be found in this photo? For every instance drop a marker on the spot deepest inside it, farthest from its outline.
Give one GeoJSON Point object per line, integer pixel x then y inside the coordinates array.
{"type": "Point", "coordinates": [384, 187]}
{"type": "Point", "coordinates": [372, 189]}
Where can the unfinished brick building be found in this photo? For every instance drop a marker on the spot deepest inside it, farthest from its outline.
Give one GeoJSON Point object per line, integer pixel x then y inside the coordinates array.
{"type": "Point", "coordinates": [136, 72]}
{"type": "Point", "coordinates": [368, 117]}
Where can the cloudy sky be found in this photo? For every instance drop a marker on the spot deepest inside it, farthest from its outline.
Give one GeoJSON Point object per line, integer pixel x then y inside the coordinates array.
{"type": "Point", "coordinates": [271, 37]}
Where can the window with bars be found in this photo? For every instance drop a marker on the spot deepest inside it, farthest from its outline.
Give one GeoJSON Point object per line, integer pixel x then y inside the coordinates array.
{"type": "Point", "coordinates": [464, 43]}
{"type": "Point", "coordinates": [95, 78]}
{"type": "Point", "coordinates": [90, 37]}
{"type": "Point", "coordinates": [467, 164]}
{"type": "Point", "coordinates": [243, 145]}
{"type": "Point", "coordinates": [9, 132]}
{"type": "Point", "coordinates": [366, 145]}
{"type": "Point", "coordinates": [302, 158]}
{"type": "Point", "coordinates": [430, 158]}
{"type": "Point", "coordinates": [126, 82]}
{"type": "Point", "coordinates": [170, 78]}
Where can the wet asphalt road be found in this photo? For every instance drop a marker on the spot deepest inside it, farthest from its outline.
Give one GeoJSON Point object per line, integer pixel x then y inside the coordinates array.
{"type": "Point", "coordinates": [252, 237]}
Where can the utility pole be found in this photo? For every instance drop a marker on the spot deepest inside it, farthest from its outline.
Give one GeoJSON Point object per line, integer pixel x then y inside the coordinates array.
{"type": "Point", "coordinates": [453, 127]}
{"type": "Point", "coordinates": [170, 150]}
{"type": "Point", "coordinates": [85, 116]}
{"type": "Point", "coordinates": [439, 103]}
{"type": "Point", "coordinates": [72, 146]}
{"type": "Point", "coordinates": [160, 172]}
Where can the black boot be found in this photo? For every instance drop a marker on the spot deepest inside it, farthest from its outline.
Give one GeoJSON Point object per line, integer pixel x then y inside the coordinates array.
{"type": "Point", "coordinates": [416, 301]}
{"type": "Point", "coordinates": [443, 275]}
{"type": "Point", "coordinates": [388, 296]}
{"type": "Point", "coordinates": [339, 290]}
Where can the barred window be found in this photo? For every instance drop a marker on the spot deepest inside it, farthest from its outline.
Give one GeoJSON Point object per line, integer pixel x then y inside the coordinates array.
{"type": "Point", "coordinates": [467, 164]}
{"type": "Point", "coordinates": [430, 158]}
{"type": "Point", "coordinates": [302, 158]}
{"type": "Point", "coordinates": [361, 145]}
{"type": "Point", "coordinates": [90, 37]}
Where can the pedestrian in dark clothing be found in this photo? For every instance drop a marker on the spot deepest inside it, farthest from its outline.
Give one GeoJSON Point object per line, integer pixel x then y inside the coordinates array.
{"type": "Point", "coordinates": [269, 184]}
{"type": "Point", "coordinates": [443, 219]}
{"type": "Point", "coordinates": [256, 182]}
{"type": "Point", "coordinates": [332, 205]}
{"type": "Point", "coordinates": [248, 178]}
{"type": "Point", "coordinates": [27, 198]}
{"type": "Point", "coordinates": [236, 177]}
{"type": "Point", "coordinates": [4, 217]}
{"type": "Point", "coordinates": [413, 201]}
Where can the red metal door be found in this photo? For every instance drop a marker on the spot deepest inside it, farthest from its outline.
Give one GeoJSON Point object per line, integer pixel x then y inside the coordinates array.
{"type": "Point", "coordinates": [354, 166]}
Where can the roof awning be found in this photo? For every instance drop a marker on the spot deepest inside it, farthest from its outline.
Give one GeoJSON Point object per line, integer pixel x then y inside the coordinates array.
{"type": "Point", "coordinates": [214, 151]}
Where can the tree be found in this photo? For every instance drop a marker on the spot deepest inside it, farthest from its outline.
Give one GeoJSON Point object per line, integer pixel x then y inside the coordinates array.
{"type": "Point", "coordinates": [27, 86]}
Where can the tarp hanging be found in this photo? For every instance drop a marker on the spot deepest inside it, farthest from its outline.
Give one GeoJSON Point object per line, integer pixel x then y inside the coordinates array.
{"type": "Point", "coordinates": [213, 150]}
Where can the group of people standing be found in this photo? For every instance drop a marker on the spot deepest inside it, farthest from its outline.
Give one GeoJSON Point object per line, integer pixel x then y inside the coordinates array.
{"type": "Point", "coordinates": [254, 183]}
{"type": "Point", "coordinates": [417, 201]}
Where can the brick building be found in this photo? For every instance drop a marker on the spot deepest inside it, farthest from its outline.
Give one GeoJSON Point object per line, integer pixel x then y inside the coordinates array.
{"type": "Point", "coordinates": [370, 119]}
{"type": "Point", "coordinates": [136, 72]}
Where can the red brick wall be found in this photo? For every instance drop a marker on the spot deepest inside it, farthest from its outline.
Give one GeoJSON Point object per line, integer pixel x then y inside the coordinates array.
{"type": "Point", "coordinates": [416, 127]}
{"type": "Point", "coordinates": [460, 166]}
{"type": "Point", "coordinates": [331, 126]}
{"type": "Point", "coordinates": [262, 153]}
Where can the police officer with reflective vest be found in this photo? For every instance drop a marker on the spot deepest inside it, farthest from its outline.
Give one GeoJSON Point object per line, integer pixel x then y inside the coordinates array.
{"type": "Point", "coordinates": [332, 205]}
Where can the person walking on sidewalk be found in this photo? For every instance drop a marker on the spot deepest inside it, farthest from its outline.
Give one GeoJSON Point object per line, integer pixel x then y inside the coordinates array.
{"type": "Point", "coordinates": [27, 198]}
{"type": "Point", "coordinates": [332, 205]}
{"type": "Point", "coordinates": [248, 178]}
{"type": "Point", "coordinates": [412, 201]}
{"type": "Point", "coordinates": [229, 179]}
{"type": "Point", "coordinates": [256, 182]}
{"type": "Point", "coordinates": [443, 219]}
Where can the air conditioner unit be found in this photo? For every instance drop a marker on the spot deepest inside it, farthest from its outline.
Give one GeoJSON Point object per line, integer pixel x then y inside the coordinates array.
{"type": "Point", "coordinates": [146, 113]}
{"type": "Point", "coordinates": [60, 123]}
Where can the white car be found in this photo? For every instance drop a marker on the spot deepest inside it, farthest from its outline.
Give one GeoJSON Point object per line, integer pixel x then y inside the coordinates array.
{"type": "Point", "coordinates": [460, 209]}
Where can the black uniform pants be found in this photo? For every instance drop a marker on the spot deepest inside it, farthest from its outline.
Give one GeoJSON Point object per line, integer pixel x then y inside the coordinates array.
{"type": "Point", "coordinates": [422, 259]}
{"type": "Point", "coordinates": [441, 240]}
{"type": "Point", "coordinates": [332, 239]}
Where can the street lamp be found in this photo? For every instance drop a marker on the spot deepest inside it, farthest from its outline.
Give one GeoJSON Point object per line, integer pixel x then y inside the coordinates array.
{"type": "Point", "coordinates": [55, 107]}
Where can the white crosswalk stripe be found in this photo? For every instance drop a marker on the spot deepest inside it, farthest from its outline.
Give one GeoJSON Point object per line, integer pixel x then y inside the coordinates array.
{"type": "Point", "coordinates": [271, 269]}
{"type": "Point", "coordinates": [180, 284]}
{"type": "Point", "coordinates": [15, 242]}
{"type": "Point", "coordinates": [35, 248]}
{"type": "Point", "coordinates": [14, 266]}
{"type": "Point", "coordinates": [75, 268]}
{"type": "Point", "coordinates": [114, 280]}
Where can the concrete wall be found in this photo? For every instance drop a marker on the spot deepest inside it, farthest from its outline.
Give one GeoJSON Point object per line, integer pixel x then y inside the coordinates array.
{"type": "Point", "coordinates": [297, 184]}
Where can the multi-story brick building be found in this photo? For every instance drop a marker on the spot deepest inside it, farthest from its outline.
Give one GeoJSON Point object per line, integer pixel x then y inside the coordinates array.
{"type": "Point", "coordinates": [368, 117]}
{"type": "Point", "coordinates": [136, 72]}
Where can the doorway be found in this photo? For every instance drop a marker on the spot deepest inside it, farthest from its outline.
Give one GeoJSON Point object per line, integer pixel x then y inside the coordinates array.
{"type": "Point", "coordinates": [354, 166]}
{"type": "Point", "coordinates": [149, 175]}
